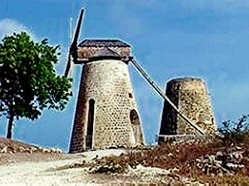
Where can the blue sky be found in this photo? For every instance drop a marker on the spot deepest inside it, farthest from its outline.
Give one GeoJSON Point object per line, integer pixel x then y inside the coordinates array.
{"type": "Point", "coordinates": [207, 39]}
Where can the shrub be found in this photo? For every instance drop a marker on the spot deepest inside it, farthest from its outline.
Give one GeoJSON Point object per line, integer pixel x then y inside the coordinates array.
{"type": "Point", "coordinates": [235, 132]}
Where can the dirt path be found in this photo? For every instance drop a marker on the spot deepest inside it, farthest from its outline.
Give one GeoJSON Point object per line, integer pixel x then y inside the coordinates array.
{"type": "Point", "coordinates": [40, 173]}
{"type": "Point", "coordinates": [25, 164]}
{"type": "Point", "coordinates": [45, 169]}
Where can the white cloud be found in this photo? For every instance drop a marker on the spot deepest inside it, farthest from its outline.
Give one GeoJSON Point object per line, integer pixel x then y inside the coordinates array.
{"type": "Point", "coordinates": [9, 26]}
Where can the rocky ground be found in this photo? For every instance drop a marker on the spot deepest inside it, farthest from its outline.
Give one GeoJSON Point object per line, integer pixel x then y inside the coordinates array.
{"type": "Point", "coordinates": [192, 163]}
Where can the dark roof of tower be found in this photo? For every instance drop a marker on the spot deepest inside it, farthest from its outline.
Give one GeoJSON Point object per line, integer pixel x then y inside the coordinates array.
{"type": "Point", "coordinates": [185, 79]}
{"type": "Point", "coordinates": [105, 52]}
{"type": "Point", "coordinates": [103, 43]}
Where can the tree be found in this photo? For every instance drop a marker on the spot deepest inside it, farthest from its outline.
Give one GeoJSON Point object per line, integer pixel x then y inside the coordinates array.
{"type": "Point", "coordinates": [235, 131]}
{"type": "Point", "coordinates": [28, 80]}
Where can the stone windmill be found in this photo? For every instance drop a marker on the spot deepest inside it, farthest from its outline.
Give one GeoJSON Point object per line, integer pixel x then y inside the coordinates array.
{"type": "Point", "coordinates": [106, 113]}
{"type": "Point", "coordinates": [191, 97]}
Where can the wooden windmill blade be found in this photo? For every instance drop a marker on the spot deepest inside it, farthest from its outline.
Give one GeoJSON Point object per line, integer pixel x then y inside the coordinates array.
{"type": "Point", "coordinates": [72, 54]}
{"type": "Point", "coordinates": [161, 93]}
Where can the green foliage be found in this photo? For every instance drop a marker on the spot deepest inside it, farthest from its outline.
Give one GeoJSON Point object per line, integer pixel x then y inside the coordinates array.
{"type": "Point", "coordinates": [28, 80]}
{"type": "Point", "coordinates": [235, 131]}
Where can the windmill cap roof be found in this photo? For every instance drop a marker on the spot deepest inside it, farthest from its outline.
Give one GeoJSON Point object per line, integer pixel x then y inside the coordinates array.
{"type": "Point", "coordinates": [103, 43]}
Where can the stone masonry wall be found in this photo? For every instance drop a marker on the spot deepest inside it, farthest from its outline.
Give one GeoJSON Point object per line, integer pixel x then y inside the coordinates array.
{"type": "Point", "coordinates": [191, 97]}
{"type": "Point", "coordinates": [107, 82]}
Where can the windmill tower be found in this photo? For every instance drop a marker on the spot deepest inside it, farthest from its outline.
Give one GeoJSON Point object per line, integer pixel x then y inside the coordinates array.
{"type": "Point", "coordinates": [191, 97]}
{"type": "Point", "coordinates": [106, 113]}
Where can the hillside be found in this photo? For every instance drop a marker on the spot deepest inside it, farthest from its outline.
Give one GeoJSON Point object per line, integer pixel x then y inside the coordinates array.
{"type": "Point", "coordinates": [191, 163]}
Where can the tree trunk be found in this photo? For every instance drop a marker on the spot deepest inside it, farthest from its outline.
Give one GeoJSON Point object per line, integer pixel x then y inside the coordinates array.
{"type": "Point", "coordinates": [10, 125]}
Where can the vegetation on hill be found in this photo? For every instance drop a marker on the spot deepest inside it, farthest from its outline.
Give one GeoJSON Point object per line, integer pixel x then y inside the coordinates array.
{"type": "Point", "coordinates": [235, 131]}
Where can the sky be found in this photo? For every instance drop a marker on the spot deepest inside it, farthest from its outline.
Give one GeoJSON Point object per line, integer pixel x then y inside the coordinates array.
{"type": "Point", "coordinates": [208, 39]}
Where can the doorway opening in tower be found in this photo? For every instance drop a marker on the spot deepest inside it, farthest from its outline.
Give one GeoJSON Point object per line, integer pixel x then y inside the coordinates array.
{"type": "Point", "coordinates": [134, 119]}
{"type": "Point", "coordinates": [90, 121]}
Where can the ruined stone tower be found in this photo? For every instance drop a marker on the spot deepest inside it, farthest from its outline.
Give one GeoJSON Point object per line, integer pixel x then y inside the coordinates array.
{"type": "Point", "coordinates": [106, 114]}
{"type": "Point", "coordinates": [191, 97]}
